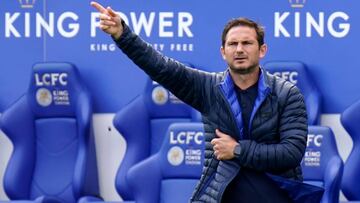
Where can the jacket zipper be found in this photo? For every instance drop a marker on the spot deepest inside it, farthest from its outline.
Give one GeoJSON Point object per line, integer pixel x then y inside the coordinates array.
{"type": "Point", "coordinates": [238, 133]}
{"type": "Point", "coordinates": [199, 193]}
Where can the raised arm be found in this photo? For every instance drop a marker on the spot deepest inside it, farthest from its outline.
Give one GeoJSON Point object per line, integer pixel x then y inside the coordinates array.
{"type": "Point", "coordinates": [188, 84]}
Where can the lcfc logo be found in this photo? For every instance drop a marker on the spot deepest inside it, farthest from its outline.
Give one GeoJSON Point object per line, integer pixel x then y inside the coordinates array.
{"type": "Point", "coordinates": [160, 95]}
{"type": "Point", "coordinates": [43, 97]}
{"type": "Point", "coordinates": [51, 79]}
{"type": "Point", "coordinates": [297, 3]}
{"type": "Point", "coordinates": [175, 156]}
{"type": "Point", "coordinates": [27, 3]}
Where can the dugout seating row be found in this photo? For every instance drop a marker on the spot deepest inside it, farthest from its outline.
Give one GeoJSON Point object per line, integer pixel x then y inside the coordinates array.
{"type": "Point", "coordinates": [54, 154]}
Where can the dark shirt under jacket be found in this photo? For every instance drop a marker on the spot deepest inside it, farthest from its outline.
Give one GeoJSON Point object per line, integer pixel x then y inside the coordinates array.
{"type": "Point", "coordinates": [246, 99]}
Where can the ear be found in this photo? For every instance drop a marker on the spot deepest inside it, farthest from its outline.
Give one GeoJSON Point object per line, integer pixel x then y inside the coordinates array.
{"type": "Point", "coordinates": [263, 51]}
{"type": "Point", "coordinates": [222, 51]}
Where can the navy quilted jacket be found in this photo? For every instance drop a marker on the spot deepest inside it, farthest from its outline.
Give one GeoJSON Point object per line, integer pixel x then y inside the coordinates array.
{"type": "Point", "coordinates": [278, 124]}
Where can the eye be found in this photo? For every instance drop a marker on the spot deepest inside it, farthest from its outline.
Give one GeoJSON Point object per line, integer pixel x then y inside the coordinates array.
{"type": "Point", "coordinates": [232, 43]}
{"type": "Point", "coordinates": [247, 43]}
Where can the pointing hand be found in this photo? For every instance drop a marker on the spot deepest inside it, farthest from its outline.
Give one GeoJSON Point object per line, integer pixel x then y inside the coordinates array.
{"type": "Point", "coordinates": [110, 21]}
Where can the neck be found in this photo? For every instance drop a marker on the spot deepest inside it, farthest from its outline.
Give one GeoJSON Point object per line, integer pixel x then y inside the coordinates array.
{"type": "Point", "coordinates": [244, 81]}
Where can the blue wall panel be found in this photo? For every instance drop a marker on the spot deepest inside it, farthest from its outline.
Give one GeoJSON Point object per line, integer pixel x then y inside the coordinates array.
{"type": "Point", "coordinates": [114, 80]}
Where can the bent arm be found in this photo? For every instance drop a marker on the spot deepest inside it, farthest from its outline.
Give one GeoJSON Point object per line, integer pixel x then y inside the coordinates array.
{"type": "Point", "coordinates": [286, 154]}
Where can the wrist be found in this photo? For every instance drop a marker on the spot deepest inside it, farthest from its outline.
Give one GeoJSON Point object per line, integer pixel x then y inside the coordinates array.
{"type": "Point", "coordinates": [120, 31]}
{"type": "Point", "coordinates": [237, 150]}
{"type": "Point", "coordinates": [116, 36]}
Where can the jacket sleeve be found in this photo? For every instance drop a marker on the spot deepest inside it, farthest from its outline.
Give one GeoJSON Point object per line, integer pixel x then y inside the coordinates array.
{"type": "Point", "coordinates": [289, 151]}
{"type": "Point", "coordinates": [188, 84]}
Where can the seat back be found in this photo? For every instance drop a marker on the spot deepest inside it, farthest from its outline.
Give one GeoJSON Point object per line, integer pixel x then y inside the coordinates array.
{"type": "Point", "coordinates": [5, 153]}
{"type": "Point", "coordinates": [297, 73]}
{"type": "Point", "coordinates": [350, 120]}
{"type": "Point", "coordinates": [143, 123]}
{"type": "Point", "coordinates": [181, 159]}
{"type": "Point", "coordinates": [174, 170]}
{"type": "Point", "coordinates": [50, 127]}
{"type": "Point", "coordinates": [322, 165]}
{"type": "Point", "coordinates": [163, 109]}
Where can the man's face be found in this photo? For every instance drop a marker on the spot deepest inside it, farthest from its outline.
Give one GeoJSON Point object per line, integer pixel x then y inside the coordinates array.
{"type": "Point", "coordinates": [241, 49]}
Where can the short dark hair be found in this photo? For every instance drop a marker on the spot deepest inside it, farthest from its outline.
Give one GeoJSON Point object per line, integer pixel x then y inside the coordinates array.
{"type": "Point", "coordinates": [244, 22]}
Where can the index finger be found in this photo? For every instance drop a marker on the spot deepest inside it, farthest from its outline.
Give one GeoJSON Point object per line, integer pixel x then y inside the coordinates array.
{"type": "Point", "coordinates": [98, 7]}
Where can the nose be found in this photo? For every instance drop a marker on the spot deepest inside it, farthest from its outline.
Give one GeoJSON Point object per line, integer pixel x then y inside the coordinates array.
{"type": "Point", "coordinates": [239, 48]}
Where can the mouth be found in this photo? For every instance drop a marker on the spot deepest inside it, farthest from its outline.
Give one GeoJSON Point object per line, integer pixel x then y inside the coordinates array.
{"type": "Point", "coordinates": [240, 58]}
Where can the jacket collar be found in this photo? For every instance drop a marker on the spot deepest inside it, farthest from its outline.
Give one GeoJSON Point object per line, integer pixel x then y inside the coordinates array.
{"type": "Point", "coordinates": [263, 82]}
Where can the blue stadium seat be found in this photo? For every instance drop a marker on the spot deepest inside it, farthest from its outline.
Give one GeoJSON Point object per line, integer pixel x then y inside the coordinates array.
{"type": "Point", "coordinates": [171, 174]}
{"type": "Point", "coordinates": [297, 73]}
{"type": "Point", "coordinates": [50, 127]}
{"type": "Point", "coordinates": [143, 123]}
{"type": "Point", "coordinates": [350, 119]}
{"type": "Point", "coordinates": [6, 149]}
{"type": "Point", "coordinates": [5, 152]}
{"type": "Point", "coordinates": [322, 165]}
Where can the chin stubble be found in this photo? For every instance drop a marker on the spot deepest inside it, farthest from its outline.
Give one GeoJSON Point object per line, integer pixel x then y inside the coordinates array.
{"type": "Point", "coordinates": [243, 71]}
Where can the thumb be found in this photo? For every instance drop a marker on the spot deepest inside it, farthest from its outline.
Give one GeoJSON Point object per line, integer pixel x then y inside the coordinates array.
{"type": "Point", "coordinates": [219, 133]}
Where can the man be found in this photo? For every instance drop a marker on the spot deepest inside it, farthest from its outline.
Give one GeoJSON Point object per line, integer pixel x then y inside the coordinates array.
{"type": "Point", "coordinates": [255, 124]}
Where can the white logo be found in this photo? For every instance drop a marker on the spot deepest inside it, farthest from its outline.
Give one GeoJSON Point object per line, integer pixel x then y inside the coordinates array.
{"type": "Point", "coordinates": [27, 3]}
{"type": "Point", "coordinates": [307, 24]}
{"type": "Point", "coordinates": [315, 140]}
{"type": "Point", "coordinates": [297, 3]}
{"type": "Point", "coordinates": [175, 156]}
{"type": "Point", "coordinates": [312, 158]}
{"type": "Point", "coordinates": [35, 24]}
{"type": "Point", "coordinates": [43, 97]}
{"type": "Point", "coordinates": [160, 95]}
{"type": "Point", "coordinates": [51, 79]}
{"type": "Point", "coordinates": [168, 24]}
{"type": "Point", "coordinates": [185, 137]}
{"type": "Point", "coordinates": [336, 24]}
{"type": "Point", "coordinates": [287, 75]}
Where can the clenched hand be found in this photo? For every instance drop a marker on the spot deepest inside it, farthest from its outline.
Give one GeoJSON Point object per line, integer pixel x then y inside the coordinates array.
{"type": "Point", "coordinates": [223, 146]}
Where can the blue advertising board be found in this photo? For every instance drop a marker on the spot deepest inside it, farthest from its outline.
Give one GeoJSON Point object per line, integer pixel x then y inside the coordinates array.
{"type": "Point", "coordinates": [321, 34]}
